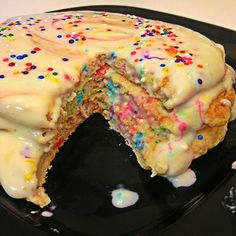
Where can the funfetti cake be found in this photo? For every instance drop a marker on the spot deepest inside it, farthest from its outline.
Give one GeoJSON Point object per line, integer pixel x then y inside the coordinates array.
{"type": "Point", "coordinates": [165, 88]}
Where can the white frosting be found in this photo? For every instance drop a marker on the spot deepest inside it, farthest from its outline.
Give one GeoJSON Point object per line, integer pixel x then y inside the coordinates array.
{"type": "Point", "coordinates": [47, 213]}
{"type": "Point", "coordinates": [234, 165]}
{"type": "Point", "coordinates": [122, 198]}
{"type": "Point", "coordinates": [185, 179]}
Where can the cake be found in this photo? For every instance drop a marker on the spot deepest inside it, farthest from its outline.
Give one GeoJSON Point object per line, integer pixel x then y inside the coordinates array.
{"type": "Point", "coordinates": [165, 88]}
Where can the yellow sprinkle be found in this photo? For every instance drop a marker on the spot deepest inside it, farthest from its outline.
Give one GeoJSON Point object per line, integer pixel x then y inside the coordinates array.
{"type": "Point", "coordinates": [28, 176]}
{"type": "Point", "coordinates": [55, 80]}
{"type": "Point", "coordinates": [47, 75]}
{"type": "Point", "coordinates": [77, 68]}
{"type": "Point", "coordinates": [149, 45]}
{"type": "Point", "coordinates": [80, 42]}
{"type": "Point", "coordinates": [31, 161]}
{"type": "Point", "coordinates": [165, 70]}
{"type": "Point", "coordinates": [151, 40]}
{"type": "Point", "coordinates": [137, 38]}
{"type": "Point", "coordinates": [149, 79]}
{"type": "Point", "coordinates": [121, 47]}
{"type": "Point", "coordinates": [16, 72]}
{"type": "Point", "coordinates": [204, 98]}
{"type": "Point", "coordinates": [180, 65]}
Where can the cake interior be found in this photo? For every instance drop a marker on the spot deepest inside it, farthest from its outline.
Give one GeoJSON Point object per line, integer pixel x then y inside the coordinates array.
{"type": "Point", "coordinates": [142, 120]}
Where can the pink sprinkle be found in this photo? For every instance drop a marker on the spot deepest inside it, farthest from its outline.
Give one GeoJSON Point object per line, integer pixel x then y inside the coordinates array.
{"type": "Point", "coordinates": [169, 146]}
{"type": "Point", "coordinates": [182, 127]}
{"type": "Point", "coordinates": [199, 105]}
{"type": "Point", "coordinates": [75, 36]}
{"type": "Point", "coordinates": [37, 49]}
{"type": "Point", "coordinates": [67, 77]}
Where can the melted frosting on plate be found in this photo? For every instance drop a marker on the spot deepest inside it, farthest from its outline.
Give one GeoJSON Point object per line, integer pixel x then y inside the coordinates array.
{"type": "Point", "coordinates": [42, 57]}
{"type": "Point", "coordinates": [186, 179]}
{"type": "Point", "coordinates": [122, 197]}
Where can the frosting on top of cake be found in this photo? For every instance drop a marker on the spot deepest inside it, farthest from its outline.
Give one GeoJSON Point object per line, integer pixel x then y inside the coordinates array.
{"type": "Point", "coordinates": [42, 57]}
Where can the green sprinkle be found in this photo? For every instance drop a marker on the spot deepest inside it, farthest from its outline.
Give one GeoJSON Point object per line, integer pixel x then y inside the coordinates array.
{"type": "Point", "coordinates": [80, 97]}
{"type": "Point", "coordinates": [159, 131]}
{"type": "Point", "coordinates": [141, 72]}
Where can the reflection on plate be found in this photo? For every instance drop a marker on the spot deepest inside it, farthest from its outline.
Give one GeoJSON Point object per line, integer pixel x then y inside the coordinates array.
{"type": "Point", "coordinates": [95, 161]}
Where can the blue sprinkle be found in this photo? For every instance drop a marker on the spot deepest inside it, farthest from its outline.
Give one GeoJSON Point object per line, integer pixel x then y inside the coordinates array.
{"type": "Point", "coordinates": [33, 52]}
{"type": "Point", "coordinates": [113, 55]}
{"type": "Point", "coordinates": [2, 76]}
{"type": "Point", "coordinates": [139, 135]}
{"type": "Point", "coordinates": [20, 57]}
{"type": "Point", "coordinates": [112, 90]}
{"type": "Point", "coordinates": [71, 41]}
{"type": "Point", "coordinates": [200, 137]}
{"type": "Point", "coordinates": [33, 67]}
{"type": "Point", "coordinates": [59, 36]}
{"type": "Point", "coordinates": [143, 35]}
{"type": "Point", "coordinates": [13, 56]}
{"type": "Point", "coordinates": [80, 97]}
{"type": "Point", "coordinates": [25, 55]}
{"type": "Point", "coordinates": [199, 81]}
{"type": "Point", "coordinates": [162, 65]}
{"type": "Point", "coordinates": [41, 77]}
{"type": "Point", "coordinates": [141, 59]}
{"type": "Point", "coordinates": [86, 69]}
{"type": "Point", "coordinates": [138, 144]}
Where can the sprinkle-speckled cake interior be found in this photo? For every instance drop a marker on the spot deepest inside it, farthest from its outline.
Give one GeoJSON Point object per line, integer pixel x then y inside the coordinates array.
{"type": "Point", "coordinates": [165, 88]}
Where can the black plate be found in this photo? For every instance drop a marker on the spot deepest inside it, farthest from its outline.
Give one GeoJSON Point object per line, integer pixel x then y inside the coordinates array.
{"type": "Point", "coordinates": [95, 160]}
